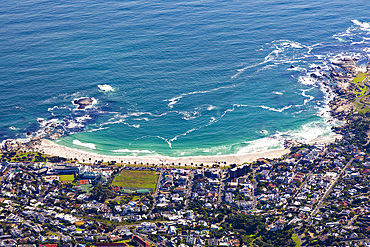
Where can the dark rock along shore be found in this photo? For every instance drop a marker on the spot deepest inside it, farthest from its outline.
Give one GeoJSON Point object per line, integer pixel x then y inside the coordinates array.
{"type": "Point", "coordinates": [83, 103]}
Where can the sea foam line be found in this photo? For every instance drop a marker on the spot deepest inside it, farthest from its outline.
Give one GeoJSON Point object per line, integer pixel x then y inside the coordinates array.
{"type": "Point", "coordinates": [279, 47]}
{"type": "Point", "coordinates": [176, 99]}
{"type": "Point", "coordinates": [245, 68]}
{"type": "Point", "coordinates": [133, 151]}
{"type": "Point", "coordinates": [215, 120]}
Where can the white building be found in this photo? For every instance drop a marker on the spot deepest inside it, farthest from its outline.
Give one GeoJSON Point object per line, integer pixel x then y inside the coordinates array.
{"type": "Point", "coordinates": [147, 227]}
{"type": "Point", "coordinates": [172, 230]}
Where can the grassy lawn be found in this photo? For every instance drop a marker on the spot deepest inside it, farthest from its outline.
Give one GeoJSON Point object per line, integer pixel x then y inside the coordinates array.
{"type": "Point", "coordinates": [66, 178]}
{"type": "Point", "coordinates": [360, 92]}
{"type": "Point", "coordinates": [86, 188]}
{"type": "Point", "coordinates": [136, 179]}
{"type": "Point", "coordinates": [136, 198]}
{"type": "Point", "coordinates": [361, 109]}
{"type": "Point", "coordinates": [296, 240]}
{"type": "Point", "coordinates": [359, 78]}
{"type": "Point", "coordinates": [358, 81]}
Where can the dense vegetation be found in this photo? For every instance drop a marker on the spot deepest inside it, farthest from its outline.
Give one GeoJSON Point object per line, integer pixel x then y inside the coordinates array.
{"type": "Point", "coordinates": [252, 230]}
{"type": "Point", "coordinates": [30, 157]}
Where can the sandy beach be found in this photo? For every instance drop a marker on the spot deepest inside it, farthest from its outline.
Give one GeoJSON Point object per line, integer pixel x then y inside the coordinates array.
{"type": "Point", "coordinates": [52, 148]}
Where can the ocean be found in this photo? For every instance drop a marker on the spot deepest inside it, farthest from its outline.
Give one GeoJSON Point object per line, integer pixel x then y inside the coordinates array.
{"type": "Point", "coordinates": [174, 78]}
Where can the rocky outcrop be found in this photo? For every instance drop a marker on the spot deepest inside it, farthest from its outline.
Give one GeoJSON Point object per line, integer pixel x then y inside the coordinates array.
{"type": "Point", "coordinates": [83, 103]}
{"type": "Point", "coordinates": [340, 108]}
{"type": "Point", "coordinates": [342, 74]}
{"type": "Point", "coordinates": [289, 143]}
{"type": "Point", "coordinates": [55, 136]}
{"type": "Point", "coordinates": [17, 146]}
{"type": "Point", "coordinates": [13, 146]}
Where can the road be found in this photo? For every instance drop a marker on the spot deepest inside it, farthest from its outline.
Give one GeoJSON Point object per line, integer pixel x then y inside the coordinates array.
{"type": "Point", "coordinates": [354, 218]}
{"type": "Point", "coordinates": [189, 188]}
{"type": "Point", "coordinates": [144, 237]}
{"type": "Point", "coordinates": [254, 204]}
{"type": "Point", "coordinates": [314, 212]}
{"type": "Point", "coordinates": [222, 187]}
{"type": "Point", "coordinates": [156, 191]}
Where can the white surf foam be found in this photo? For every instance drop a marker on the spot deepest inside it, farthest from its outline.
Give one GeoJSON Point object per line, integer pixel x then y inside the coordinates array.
{"type": "Point", "coordinates": [211, 107]}
{"type": "Point", "coordinates": [176, 99]}
{"type": "Point", "coordinates": [214, 150]}
{"type": "Point", "coordinates": [245, 68]}
{"type": "Point", "coordinates": [262, 144]}
{"type": "Point", "coordinates": [363, 25]}
{"type": "Point", "coordinates": [358, 42]}
{"type": "Point", "coordinates": [83, 118]}
{"type": "Point", "coordinates": [88, 145]}
{"type": "Point", "coordinates": [310, 131]}
{"type": "Point", "coordinates": [59, 107]}
{"type": "Point", "coordinates": [275, 109]}
{"type": "Point", "coordinates": [278, 93]}
{"type": "Point", "coordinates": [98, 129]}
{"type": "Point", "coordinates": [305, 133]}
{"type": "Point", "coordinates": [133, 151]}
{"type": "Point", "coordinates": [310, 97]}
{"type": "Point", "coordinates": [190, 115]}
{"type": "Point", "coordinates": [293, 44]}
{"type": "Point", "coordinates": [106, 88]}
{"type": "Point", "coordinates": [142, 119]}
{"type": "Point", "coordinates": [74, 125]}
{"type": "Point", "coordinates": [307, 80]}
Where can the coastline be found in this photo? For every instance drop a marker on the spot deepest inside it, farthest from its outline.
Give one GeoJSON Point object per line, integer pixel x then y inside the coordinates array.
{"type": "Point", "coordinates": [341, 104]}
{"type": "Point", "coordinates": [52, 148]}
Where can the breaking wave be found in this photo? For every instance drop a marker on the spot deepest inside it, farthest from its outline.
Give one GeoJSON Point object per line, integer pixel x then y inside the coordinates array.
{"type": "Point", "coordinates": [106, 88]}
{"type": "Point", "coordinates": [82, 144]}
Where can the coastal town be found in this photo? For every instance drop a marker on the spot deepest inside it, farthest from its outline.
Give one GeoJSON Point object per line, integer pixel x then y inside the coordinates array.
{"type": "Point", "coordinates": [315, 195]}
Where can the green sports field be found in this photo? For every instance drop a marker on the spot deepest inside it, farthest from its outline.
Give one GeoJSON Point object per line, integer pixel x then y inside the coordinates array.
{"type": "Point", "coordinates": [136, 179]}
{"type": "Point", "coordinates": [66, 178]}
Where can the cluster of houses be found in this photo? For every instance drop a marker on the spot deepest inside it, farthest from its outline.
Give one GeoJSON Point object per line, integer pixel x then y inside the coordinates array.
{"type": "Point", "coordinates": [35, 209]}
{"type": "Point", "coordinates": [207, 187]}
{"type": "Point", "coordinates": [38, 207]}
{"type": "Point", "coordinates": [322, 192]}
{"type": "Point", "coordinates": [325, 188]}
{"type": "Point", "coordinates": [173, 187]}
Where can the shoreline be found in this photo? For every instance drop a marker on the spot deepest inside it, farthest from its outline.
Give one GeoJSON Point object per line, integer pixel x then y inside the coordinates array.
{"type": "Point", "coordinates": [54, 149]}
{"type": "Point", "coordinates": [340, 104]}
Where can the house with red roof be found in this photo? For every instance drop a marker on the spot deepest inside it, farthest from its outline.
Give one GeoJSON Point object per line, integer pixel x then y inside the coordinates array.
{"type": "Point", "coordinates": [85, 181]}
{"type": "Point", "coordinates": [140, 241]}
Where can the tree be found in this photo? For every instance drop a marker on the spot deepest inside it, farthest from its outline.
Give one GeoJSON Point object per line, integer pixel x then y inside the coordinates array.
{"type": "Point", "coordinates": [101, 193]}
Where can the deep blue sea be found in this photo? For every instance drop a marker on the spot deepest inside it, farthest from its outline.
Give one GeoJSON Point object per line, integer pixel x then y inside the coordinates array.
{"type": "Point", "coordinates": [173, 78]}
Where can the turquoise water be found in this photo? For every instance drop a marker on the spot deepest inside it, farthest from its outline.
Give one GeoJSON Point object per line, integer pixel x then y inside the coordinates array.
{"type": "Point", "coordinates": [174, 78]}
